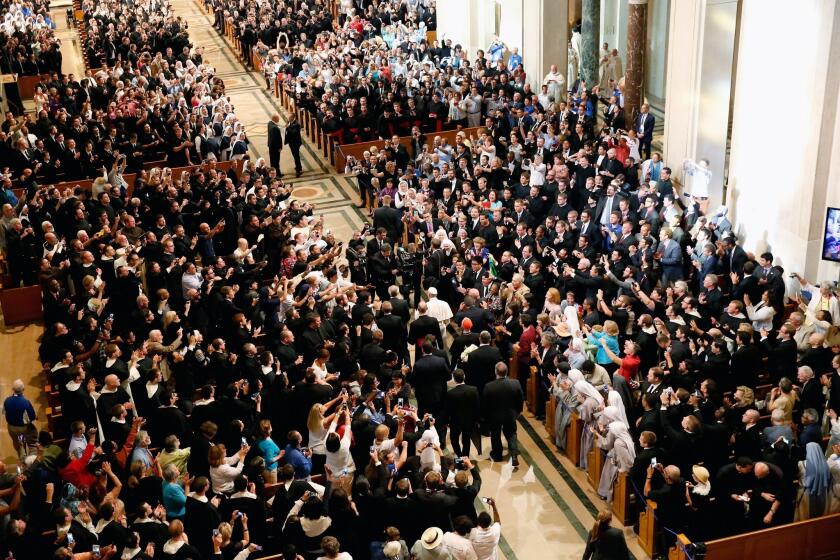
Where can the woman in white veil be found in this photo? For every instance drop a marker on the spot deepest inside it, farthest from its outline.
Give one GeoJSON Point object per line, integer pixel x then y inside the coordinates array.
{"type": "Point", "coordinates": [621, 452]}
{"type": "Point", "coordinates": [591, 402]}
{"type": "Point", "coordinates": [563, 390]}
{"type": "Point", "coordinates": [614, 399]}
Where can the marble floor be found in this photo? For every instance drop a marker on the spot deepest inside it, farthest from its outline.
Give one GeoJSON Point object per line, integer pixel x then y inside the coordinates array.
{"type": "Point", "coordinates": [546, 505]}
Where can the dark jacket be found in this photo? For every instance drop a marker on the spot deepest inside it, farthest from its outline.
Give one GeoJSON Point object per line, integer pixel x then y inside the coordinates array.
{"type": "Point", "coordinates": [462, 406]}
{"type": "Point", "coordinates": [609, 546]}
{"type": "Point", "coordinates": [502, 400]}
{"type": "Point", "coordinates": [480, 366]}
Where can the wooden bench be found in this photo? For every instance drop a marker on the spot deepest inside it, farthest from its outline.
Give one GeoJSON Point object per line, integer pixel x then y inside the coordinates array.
{"type": "Point", "coordinates": [803, 540]}
{"type": "Point", "coordinates": [649, 529]}
{"type": "Point", "coordinates": [595, 465]}
{"type": "Point", "coordinates": [622, 504]}
{"type": "Point", "coordinates": [358, 149]}
{"type": "Point", "coordinates": [21, 305]}
{"type": "Point", "coordinates": [531, 390]}
{"type": "Point", "coordinates": [550, 413]}
{"type": "Point", "coordinates": [27, 84]}
{"type": "Point", "coordinates": [573, 433]}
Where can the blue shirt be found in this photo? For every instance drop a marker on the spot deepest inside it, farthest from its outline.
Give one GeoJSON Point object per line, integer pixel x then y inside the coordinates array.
{"type": "Point", "coordinates": [174, 500]}
{"type": "Point", "coordinates": [143, 455]}
{"type": "Point", "coordinates": [301, 463]}
{"type": "Point", "coordinates": [612, 342]}
{"type": "Point", "coordinates": [205, 246]}
{"type": "Point", "coordinates": [19, 411]}
{"type": "Point", "coordinates": [269, 450]}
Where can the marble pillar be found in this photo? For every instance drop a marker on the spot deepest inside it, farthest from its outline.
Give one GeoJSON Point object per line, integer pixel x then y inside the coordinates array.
{"type": "Point", "coordinates": [698, 88]}
{"type": "Point", "coordinates": [590, 25]}
{"type": "Point", "coordinates": [634, 76]}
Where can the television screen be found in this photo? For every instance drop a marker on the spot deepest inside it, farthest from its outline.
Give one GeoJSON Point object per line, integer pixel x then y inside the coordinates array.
{"type": "Point", "coordinates": [831, 241]}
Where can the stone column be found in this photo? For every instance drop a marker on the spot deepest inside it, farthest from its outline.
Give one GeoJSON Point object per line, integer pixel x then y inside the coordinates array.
{"type": "Point", "coordinates": [634, 76]}
{"type": "Point", "coordinates": [589, 30]}
{"type": "Point", "coordinates": [543, 44]}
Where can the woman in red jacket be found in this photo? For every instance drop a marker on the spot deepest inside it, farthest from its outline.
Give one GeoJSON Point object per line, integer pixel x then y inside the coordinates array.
{"type": "Point", "coordinates": [75, 471]}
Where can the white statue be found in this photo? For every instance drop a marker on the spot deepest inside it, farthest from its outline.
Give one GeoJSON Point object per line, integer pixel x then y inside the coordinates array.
{"type": "Point", "coordinates": [573, 67]}
{"type": "Point", "coordinates": [697, 177]}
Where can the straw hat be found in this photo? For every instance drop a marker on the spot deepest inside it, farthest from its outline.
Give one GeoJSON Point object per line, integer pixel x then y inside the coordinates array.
{"type": "Point", "coordinates": [701, 474]}
{"type": "Point", "coordinates": [432, 537]}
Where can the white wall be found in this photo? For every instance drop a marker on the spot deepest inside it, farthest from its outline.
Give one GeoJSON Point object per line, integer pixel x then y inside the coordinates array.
{"type": "Point", "coordinates": [776, 191]}
{"type": "Point", "coordinates": [455, 21]}
{"type": "Point", "coordinates": [538, 28]}
{"type": "Point", "coordinates": [613, 26]}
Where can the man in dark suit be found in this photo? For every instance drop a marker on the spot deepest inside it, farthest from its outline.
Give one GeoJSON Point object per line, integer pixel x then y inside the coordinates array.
{"type": "Point", "coordinates": [393, 331]}
{"type": "Point", "coordinates": [429, 378]}
{"type": "Point", "coordinates": [433, 503]}
{"type": "Point", "coordinates": [424, 325]}
{"type": "Point", "coordinates": [399, 305]}
{"type": "Point", "coordinates": [402, 511]}
{"type": "Point", "coordinates": [275, 142]}
{"type": "Point", "coordinates": [294, 140]}
{"type": "Point", "coordinates": [644, 127]}
{"type": "Point", "coordinates": [748, 436]}
{"type": "Point", "coordinates": [462, 407]}
{"type": "Point", "coordinates": [649, 450]}
{"type": "Point", "coordinates": [810, 394]}
{"type": "Point", "coordinates": [376, 242]}
{"type": "Point", "coordinates": [383, 270]}
{"type": "Point", "coordinates": [372, 355]}
{"type": "Point", "coordinates": [388, 218]}
{"type": "Point", "coordinates": [746, 363]}
{"type": "Point", "coordinates": [501, 404]}
{"type": "Point", "coordinates": [735, 257]}
{"type": "Point", "coordinates": [481, 361]}
{"type": "Point", "coordinates": [782, 353]}
{"type": "Point", "coordinates": [462, 341]}
{"type": "Point", "coordinates": [607, 204]}
{"type": "Point", "coordinates": [245, 500]}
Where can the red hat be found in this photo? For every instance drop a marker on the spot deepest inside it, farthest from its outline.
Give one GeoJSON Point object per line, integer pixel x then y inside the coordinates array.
{"type": "Point", "coordinates": [466, 324]}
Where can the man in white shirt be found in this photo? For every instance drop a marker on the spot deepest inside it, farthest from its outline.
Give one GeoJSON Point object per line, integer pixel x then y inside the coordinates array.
{"type": "Point", "coordinates": [485, 537]}
{"type": "Point", "coordinates": [457, 542]}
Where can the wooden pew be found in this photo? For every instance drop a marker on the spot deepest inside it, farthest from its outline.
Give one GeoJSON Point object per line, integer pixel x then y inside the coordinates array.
{"type": "Point", "coordinates": [595, 465]}
{"type": "Point", "coordinates": [513, 368]}
{"type": "Point", "coordinates": [573, 433]}
{"type": "Point", "coordinates": [27, 84]}
{"type": "Point", "coordinates": [531, 390]}
{"type": "Point", "coordinates": [648, 529]}
{"type": "Point", "coordinates": [21, 305]}
{"type": "Point", "coordinates": [550, 412]}
{"type": "Point", "coordinates": [622, 504]}
{"type": "Point", "coordinates": [803, 540]}
{"type": "Point", "coordinates": [356, 150]}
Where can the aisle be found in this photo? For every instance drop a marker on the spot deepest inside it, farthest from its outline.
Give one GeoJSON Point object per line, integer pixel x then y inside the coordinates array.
{"type": "Point", "coordinates": [334, 194]}
{"type": "Point", "coordinates": [550, 508]}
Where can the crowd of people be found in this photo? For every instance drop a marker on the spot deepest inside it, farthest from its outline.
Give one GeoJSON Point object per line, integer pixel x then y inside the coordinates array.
{"type": "Point", "coordinates": [235, 381]}
{"type": "Point", "coordinates": [28, 45]}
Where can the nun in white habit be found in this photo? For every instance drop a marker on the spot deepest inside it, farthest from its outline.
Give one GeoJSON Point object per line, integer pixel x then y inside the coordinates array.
{"type": "Point", "coordinates": [563, 389]}
{"type": "Point", "coordinates": [620, 456]}
{"type": "Point", "coordinates": [591, 402]}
